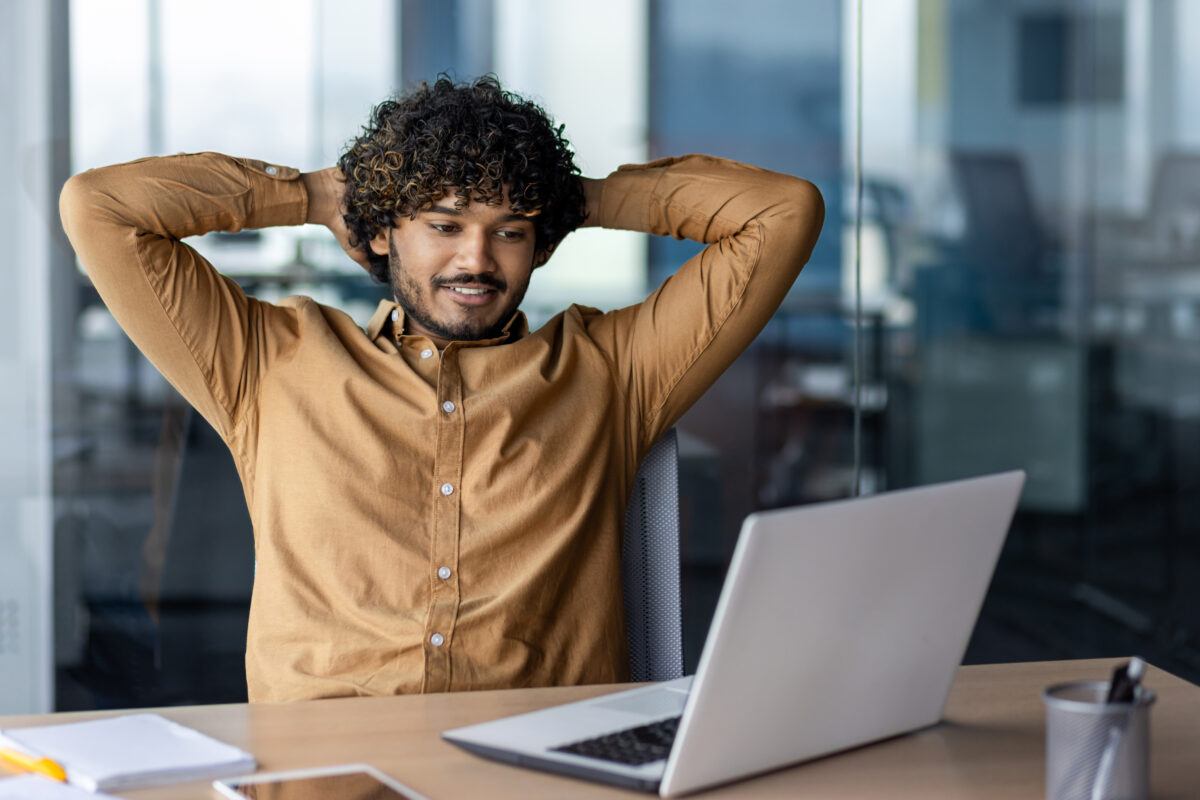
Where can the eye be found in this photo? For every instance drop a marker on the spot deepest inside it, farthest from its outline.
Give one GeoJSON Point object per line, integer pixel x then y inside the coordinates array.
{"type": "Point", "coordinates": [443, 227]}
{"type": "Point", "coordinates": [511, 235]}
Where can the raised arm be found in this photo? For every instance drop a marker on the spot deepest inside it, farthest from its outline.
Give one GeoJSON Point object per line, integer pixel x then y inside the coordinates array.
{"type": "Point", "coordinates": [760, 228]}
{"type": "Point", "coordinates": [197, 327]}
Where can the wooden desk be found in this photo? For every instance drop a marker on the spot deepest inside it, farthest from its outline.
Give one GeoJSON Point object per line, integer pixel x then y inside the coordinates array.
{"type": "Point", "coordinates": [991, 743]}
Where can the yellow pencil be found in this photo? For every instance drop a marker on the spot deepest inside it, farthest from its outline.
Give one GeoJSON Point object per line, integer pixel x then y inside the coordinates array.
{"type": "Point", "coordinates": [43, 766]}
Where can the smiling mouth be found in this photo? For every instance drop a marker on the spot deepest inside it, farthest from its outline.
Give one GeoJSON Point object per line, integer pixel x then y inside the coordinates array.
{"type": "Point", "coordinates": [472, 296]}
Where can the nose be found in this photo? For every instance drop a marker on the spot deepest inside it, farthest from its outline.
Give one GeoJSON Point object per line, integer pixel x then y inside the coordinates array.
{"type": "Point", "coordinates": [475, 253]}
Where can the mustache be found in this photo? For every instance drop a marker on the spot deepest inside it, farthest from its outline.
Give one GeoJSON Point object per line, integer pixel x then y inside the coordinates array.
{"type": "Point", "coordinates": [464, 279]}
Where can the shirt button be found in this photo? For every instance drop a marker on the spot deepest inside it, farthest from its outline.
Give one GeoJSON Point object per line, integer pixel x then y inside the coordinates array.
{"type": "Point", "coordinates": [395, 315]}
{"type": "Point", "coordinates": [447, 489]}
{"type": "Point", "coordinates": [270, 170]}
{"type": "Point", "coordinates": [437, 640]}
{"type": "Point", "coordinates": [426, 353]}
{"type": "Point", "coordinates": [448, 407]}
{"type": "Point", "coordinates": [444, 573]}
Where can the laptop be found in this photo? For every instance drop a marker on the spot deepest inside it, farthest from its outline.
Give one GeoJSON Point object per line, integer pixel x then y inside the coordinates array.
{"type": "Point", "coordinates": [839, 624]}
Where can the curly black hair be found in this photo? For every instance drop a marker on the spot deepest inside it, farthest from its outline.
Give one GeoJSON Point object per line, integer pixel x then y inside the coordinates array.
{"type": "Point", "coordinates": [473, 139]}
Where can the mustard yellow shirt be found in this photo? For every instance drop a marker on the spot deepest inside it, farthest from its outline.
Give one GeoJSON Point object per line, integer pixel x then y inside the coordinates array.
{"type": "Point", "coordinates": [432, 521]}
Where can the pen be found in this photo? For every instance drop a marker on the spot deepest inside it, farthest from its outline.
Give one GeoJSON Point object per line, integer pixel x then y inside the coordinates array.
{"type": "Point", "coordinates": [42, 766]}
{"type": "Point", "coordinates": [1125, 680]}
{"type": "Point", "coordinates": [1121, 689]}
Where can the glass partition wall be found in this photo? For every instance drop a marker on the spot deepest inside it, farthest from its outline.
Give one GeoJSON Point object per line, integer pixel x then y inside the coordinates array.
{"type": "Point", "coordinates": [1005, 280]}
{"type": "Point", "coordinates": [1034, 171]}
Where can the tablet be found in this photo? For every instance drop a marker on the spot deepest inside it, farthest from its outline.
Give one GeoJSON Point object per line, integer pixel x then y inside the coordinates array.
{"type": "Point", "coordinates": [345, 781]}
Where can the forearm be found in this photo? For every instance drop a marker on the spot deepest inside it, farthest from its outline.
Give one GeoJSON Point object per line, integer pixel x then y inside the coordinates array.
{"type": "Point", "coordinates": [324, 191]}
{"type": "Point", "coordinates": [593, 193]}
{"type": "Point", "coordinates": [708, 199]}
{"type": "Point", "coordinates": [179, 196]}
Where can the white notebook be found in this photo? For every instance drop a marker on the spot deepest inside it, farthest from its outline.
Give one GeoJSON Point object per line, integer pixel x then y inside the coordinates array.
{"type": "Point", "coordinates": [129, 752]}
{"type": "Point", "coordinates": [37, 787]}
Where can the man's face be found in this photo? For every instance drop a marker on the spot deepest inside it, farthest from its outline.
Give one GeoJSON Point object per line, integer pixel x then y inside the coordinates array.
{"type": "Point", "coordinates": [459, 274]}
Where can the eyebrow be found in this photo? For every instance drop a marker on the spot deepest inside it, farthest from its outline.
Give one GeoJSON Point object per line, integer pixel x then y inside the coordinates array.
{"type": "Point", "coordinates": [454, 212]}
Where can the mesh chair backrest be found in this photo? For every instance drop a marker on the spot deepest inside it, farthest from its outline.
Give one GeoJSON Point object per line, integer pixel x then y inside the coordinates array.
{"type": "Point", "coordinates": [1176, 185]}
{"type": "Point", "coordinates": [650, 567]}
{"type": "Point", "coordinates": [1002, 223]}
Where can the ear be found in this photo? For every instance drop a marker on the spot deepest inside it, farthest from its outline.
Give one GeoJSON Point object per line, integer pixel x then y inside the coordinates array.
{"type": "Point", "coordinates": [380, 241]}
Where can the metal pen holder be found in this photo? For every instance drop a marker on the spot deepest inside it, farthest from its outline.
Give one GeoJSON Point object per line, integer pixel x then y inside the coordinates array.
{"type": "Point", "coordinates": [1096, 750]}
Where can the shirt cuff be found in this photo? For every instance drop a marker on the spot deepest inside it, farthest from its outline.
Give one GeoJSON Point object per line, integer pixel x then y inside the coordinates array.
{"type": "Point", "coordinates": [278, 192]}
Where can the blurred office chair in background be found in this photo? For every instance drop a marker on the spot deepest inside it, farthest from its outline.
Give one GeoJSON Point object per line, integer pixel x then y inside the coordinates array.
{"type": "Point", "coordinates": [1002, 276]}
{"type": "Point", "coordinates": [1007, 264]}
{"type": "Point", "coordinates": [1000, 386]}
{"type": "Point", "coordinates": [203, 594]}
{"type": "Point", "coordinates": [1173, 212]}
{"type": "Point", "coordinates": [1149, 256]}
{"type": "Point", "coordinates": [1003, 230]}
{"type": "Point", "coordinates": [650, 566]}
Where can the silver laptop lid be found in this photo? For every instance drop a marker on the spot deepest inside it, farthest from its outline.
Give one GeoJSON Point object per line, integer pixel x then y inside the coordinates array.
{"type": "Point", "coordinates": [839, 624]}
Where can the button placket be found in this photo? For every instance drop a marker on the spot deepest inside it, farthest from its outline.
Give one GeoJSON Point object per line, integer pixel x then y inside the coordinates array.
{"type": "Point", "coordinates": [444, 544]}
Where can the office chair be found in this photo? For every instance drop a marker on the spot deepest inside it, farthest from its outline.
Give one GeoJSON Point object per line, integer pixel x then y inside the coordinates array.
{"type": "Point", "coordinates": [1174, 206]}
{"type": "Point", "coordinates": [1003, 229]}
{"type": "Point", "coordinates": [1003, 277]}
{"type": "Point", "coordinates": [650, 567]}
{"type": "Point", "coordinates": [203, 598]}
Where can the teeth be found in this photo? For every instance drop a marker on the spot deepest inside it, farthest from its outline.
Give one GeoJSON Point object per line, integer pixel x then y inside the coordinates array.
{"type": "Point", "coordinates": [465, 290]}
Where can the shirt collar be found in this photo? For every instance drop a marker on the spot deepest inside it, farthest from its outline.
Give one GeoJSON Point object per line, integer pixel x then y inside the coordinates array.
{"type": "Point", "coordinates": [388, 321]}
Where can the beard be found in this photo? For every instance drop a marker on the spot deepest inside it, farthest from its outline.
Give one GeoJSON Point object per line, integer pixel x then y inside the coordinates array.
{"type": "Point", "coordinates": [413, 299]}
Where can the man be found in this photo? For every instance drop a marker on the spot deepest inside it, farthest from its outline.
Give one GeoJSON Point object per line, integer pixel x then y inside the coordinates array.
{"type": "Point", "coordinates": [438, 501]}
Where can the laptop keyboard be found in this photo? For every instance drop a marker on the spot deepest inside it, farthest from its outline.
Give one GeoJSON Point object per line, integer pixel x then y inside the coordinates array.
{"type": "Point", "coordinates": [633, 746]}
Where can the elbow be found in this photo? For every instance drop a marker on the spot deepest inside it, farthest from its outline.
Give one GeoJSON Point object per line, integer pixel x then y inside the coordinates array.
{"type": "Point", "coordinates": [75, 200]}
{"type": "Point", "coordinates": [811, 206]}
{"type": "Point", "coordinates": [806, 217]}
{"type": "Point", "coordinates": [84, 209]}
